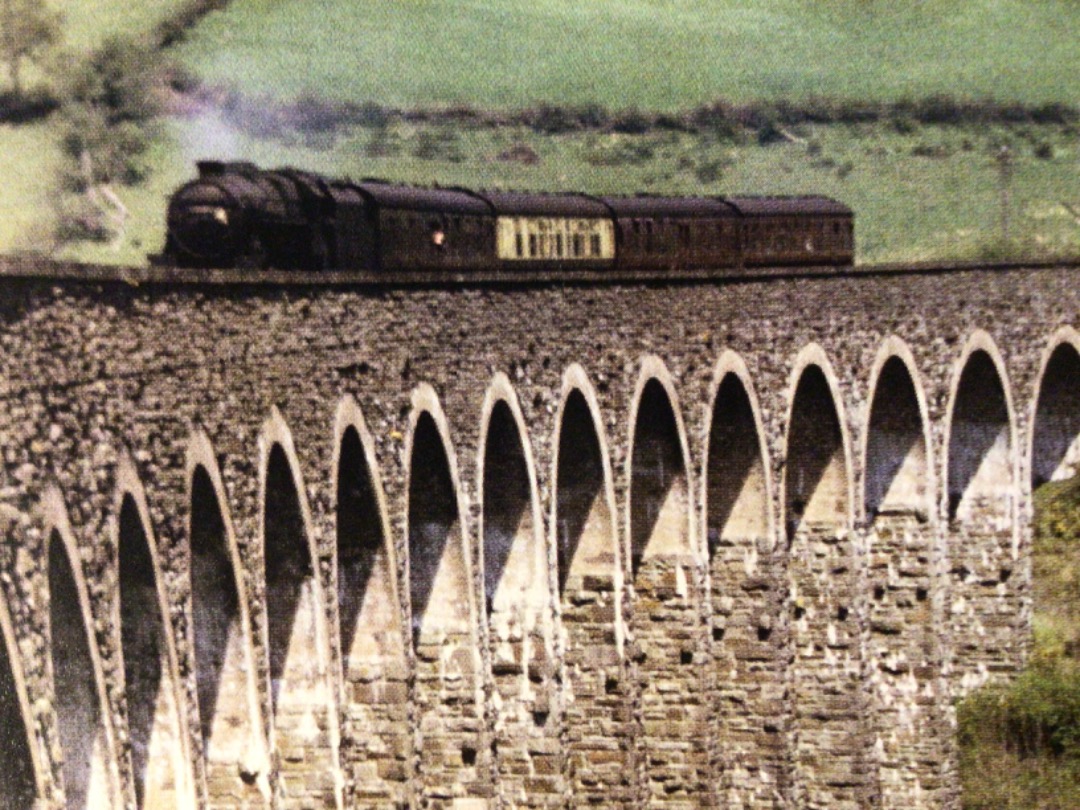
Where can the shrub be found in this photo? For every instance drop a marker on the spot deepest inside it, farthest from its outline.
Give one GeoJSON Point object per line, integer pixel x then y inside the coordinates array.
{"type": "Point", "coordinates": [29, 105]}
{"type": "Point", "coordinates": [1037, 714]}
{"type": "Point", "coordinates": [631, 122]}
{"type": "Point", "coordinates": [438, 144]}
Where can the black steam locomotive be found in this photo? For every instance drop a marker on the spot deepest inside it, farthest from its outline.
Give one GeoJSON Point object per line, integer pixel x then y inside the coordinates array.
{"type": "Point", "coordinates": [236, 215]}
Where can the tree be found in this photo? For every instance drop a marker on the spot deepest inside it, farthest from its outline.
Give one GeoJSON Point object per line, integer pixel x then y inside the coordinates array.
{"type": "Point", "coordinates": [27, 28]}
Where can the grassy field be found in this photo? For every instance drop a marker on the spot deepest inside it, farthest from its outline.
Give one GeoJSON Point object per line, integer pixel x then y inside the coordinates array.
{"type": "Point", "coordinates": [88, 23]}
{"type": "Point", "coordinates": [930, 194]}
{"type": "Point", "coordinates": [653, 54]}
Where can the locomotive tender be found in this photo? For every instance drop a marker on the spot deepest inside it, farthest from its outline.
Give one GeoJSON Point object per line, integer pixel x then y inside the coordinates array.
{"type": "Point", "coordinates": [236, 215]}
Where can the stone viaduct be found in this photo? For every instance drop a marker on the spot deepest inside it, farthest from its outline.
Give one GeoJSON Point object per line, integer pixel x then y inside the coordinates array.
{"type": "Point", "coordinates": [321, 542]}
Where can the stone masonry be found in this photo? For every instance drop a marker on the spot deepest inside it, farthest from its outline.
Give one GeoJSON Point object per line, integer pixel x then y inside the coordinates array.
{"type": "Point", "coordinates": [283, 541]}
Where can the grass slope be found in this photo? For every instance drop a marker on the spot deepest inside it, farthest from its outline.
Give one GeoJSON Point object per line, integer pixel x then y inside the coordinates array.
{"type": "Point", "coordinates": [88, 23]}
{"type": "Point", "coordinates": [653, 54]}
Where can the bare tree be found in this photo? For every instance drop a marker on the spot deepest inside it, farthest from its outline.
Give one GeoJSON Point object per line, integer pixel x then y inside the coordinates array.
{"type": "Point", "coordinates": [27, 28]}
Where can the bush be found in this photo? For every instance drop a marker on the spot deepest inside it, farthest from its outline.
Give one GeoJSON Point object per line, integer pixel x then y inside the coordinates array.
{"type": "Point", "coordinates": [631, 122]}
{"type": "Point", "coordinates": [109, 113]}
{"type": "Point", "coordinates": [29, 105]}
{"type": "Point", "coordinates": [1036, 715]}
{"type": "Point", "coordinates": [438, 144]}
{"type": "Point", "coordinates": [175, 28]}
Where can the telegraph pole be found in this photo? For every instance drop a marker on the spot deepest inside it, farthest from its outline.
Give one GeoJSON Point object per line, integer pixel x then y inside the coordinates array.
{"type": "Point", "coordinates": [1005, 168]}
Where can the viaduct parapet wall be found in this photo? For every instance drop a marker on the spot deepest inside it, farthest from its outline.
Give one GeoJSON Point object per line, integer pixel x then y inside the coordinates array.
{"type": "Point", "coordinates": [614, 542]}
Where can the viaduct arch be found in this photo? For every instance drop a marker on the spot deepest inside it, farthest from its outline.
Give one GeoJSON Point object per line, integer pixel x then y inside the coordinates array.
{"type": "Point", "coordinates": [648, 543]}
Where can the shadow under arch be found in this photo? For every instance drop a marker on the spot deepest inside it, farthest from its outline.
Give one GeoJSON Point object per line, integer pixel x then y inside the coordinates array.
{"type": "Point", "coordinates": [514, 560]}
{"type": "Point", "coordinates": [980, 462]}
{"type": "Point", "coordinates": [374, 671]}
{"type": "Point", "coordinates": [160, 756]}
{"type": "Point", "coordinates": [83, 718]}
{"type": "Point", "coordinates": [366, 563]}
{"type": "Point", "coordinates": [737, 490]}
{"type": "Point", "coordinates": [230, 717]}
{"type": "Point", "coordinates": [1055, 430]}
{"type": "Point", "coordinates": [303, 706]}
{"type": "Point", "coordinates": [21, 772]}
{"type": "Point", "coordinates": [439, 583]}
{"type": "Point", "coordinates": [583, 518]}
{"type": "Point", "coordinates": [817, 481]}
{"type": "Point", "coordinates": [659, 505]}
{"type": "Point", "coordinates": [898, 473]}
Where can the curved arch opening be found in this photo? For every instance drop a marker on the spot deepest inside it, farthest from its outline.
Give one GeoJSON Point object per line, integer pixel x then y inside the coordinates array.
{"type": "Point", "coordinates": [153, 728]}
{"type": "Point", "coordinates": [816, 479]}
{"type": "Point", "coordinates": [583, 520]}
{"type": "Point", "coordinates": [1055, 451]}
{"type": "Point", "coordinates": [659, 495]}
{"type": "Point", "coordinates": [896, 453]}
{"type": "Point", "coordinates": [738, 532]}
{"type": "Point", "coordinates": [367, 604]}
{"type": "Point", "coordinates": [511, 554]}
{"type": "Point", "coordinates": [290, 594]}
{"type": "Point", "coordinates": [980, 444]}
{"type": "Point", "coordinates": [79, 719]}
{"type": "Point", "coordinates": [221, 655]}
{"type": "Point", "coordinates": [438, 585]}
{"type": "Point", "coordinates": [18, 782]}
{"type": "Point", "coordinates": [737, 502]}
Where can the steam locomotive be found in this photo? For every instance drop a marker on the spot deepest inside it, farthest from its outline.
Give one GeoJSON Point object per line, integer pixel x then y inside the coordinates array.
{"type": "Point", "coordinates": [236, 215]}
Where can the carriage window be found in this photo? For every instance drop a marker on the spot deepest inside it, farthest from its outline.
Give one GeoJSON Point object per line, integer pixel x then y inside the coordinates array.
{"type": "Point", "coordinates": [579, 244]}
{"type": "Point", "coordinates": [559, 245]}
{"type": "Point", "coordinates": [594, 240]}
{"type": "Point", "coordinates": [532, 245]}
{"type": "Point", "coordinates": [519, 243]}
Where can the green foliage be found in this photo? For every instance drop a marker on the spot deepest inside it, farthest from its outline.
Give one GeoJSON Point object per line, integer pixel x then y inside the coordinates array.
{"type": "Point", "coordinates": [28, 28]}
{"type": "Point", "coordinates": [108, 114]}
{"type": "Point", "coordinates": [438, 144]}
{"type": "Point", "coordinates": [1038, 714]}
{"type": "Point", "coordinates": [1020, 743]}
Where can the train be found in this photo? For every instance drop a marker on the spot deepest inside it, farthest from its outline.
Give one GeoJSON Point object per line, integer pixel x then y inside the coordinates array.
{"type": "Point", "coordinates": [235, 215]}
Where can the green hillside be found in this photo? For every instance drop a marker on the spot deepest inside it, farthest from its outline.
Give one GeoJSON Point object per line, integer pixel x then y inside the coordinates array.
{"type": "Point", "coordinates": [653, 54]}
{"type": "Point", "coordinates": [266, 80]}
